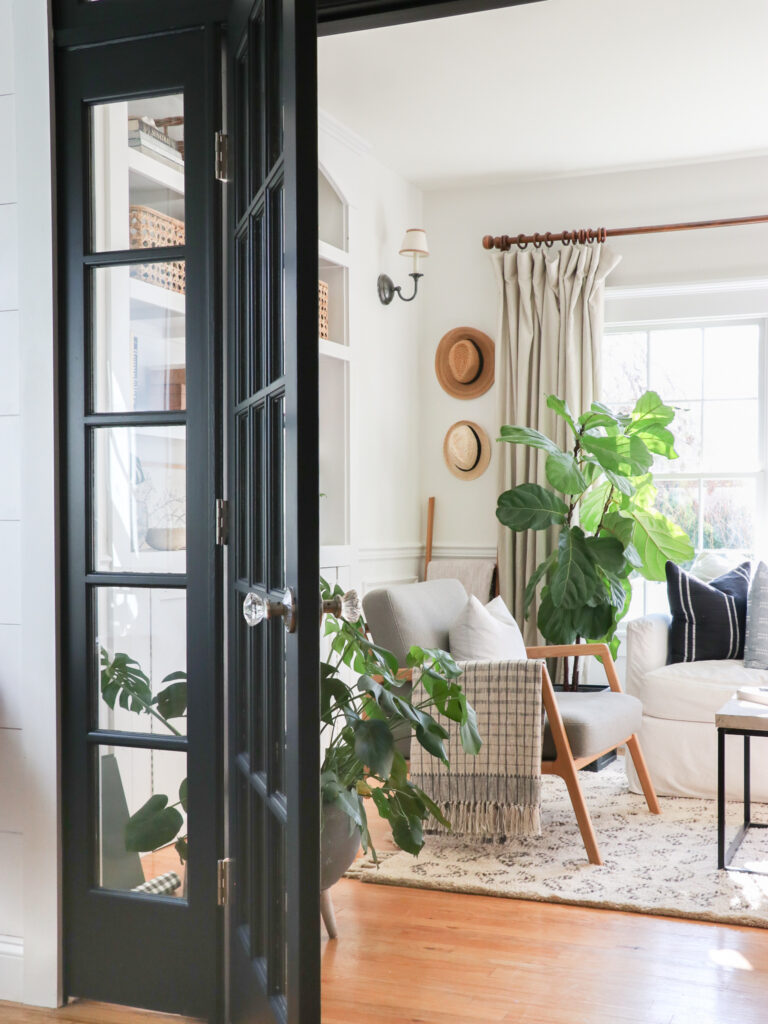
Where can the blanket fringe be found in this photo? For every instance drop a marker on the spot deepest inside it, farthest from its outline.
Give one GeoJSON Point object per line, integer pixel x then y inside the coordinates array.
{"type": "Point", "coordinates": [488, 819]}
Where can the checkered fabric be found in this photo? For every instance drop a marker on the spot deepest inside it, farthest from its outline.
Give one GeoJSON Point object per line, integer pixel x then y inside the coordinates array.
{"type": "Point", "coordinates": [162, 885]}
{"type": "Point", "coordinates": [498, 792]}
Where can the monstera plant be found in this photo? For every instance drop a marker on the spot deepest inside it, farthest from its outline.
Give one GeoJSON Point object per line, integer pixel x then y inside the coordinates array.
{"type": "Point", "coordinates": [363, 710]}
{"type": "Point", "coordinates": [159, 821]}
{"type": "Point", "coordinates": [600, 504]}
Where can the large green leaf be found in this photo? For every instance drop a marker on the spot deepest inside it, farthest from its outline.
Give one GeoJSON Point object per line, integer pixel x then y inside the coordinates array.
{"type": "Point", "coordinates": [592, 505]}
{"type": "Point", "coordinates": [593, 622]}
{"type": "Point", "coordinates": [430, 735]}
{"type": "Point", "coordinates": [374, 745]}
{"type": "Point", "coordinates": [469, 733]}
{"type": "Point", "coordinates": [574, 579]}
{"type": "Point", "coordinates": [658, 540]}
{"type": "Point", "coordinates": [171, 702]}
{"type": "Point", "coordinates": [538, 574]}
{"type": "Point", "coordinates": [658, 440]}
{"type": "Point", "coordinates": [153, 825]}
{"type": "Point", "coordinates": [600, 416]}
{"type": "Point", "coordinates": [607, 552]}
{"type": "Point", "coordinates": [558, 406]}
{"type": "Point", "coordinates": [529, 437]}
{"type": "Point", "coordinates": [408, 833]}
{"type": "Point", "coordinates": [564, 474]}
{"type": "Point", "coordinates": [432, 807]}
{"type": "Point", "coordinates": [530, 507]}
{"type": "Point", "coordinates": [649, 408]}
{"type": "Point", "coordinates": [627, 456]}
{"type": "Point", "coordinates": [619, 526]}
{"type": "Point", "coordinates": [621, 483]}
{"type": "Point", "coordinates": [555, 624]}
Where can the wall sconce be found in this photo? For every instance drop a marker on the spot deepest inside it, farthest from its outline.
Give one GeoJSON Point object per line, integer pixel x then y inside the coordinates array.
{"type": "Point", "coordinates": [414, 244]}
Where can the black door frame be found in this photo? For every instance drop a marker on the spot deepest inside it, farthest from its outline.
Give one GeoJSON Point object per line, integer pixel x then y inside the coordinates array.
{"type": "Point", "coordinates": [163, 934]}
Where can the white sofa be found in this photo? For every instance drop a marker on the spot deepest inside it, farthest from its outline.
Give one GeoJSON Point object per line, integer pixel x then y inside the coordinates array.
{"type": "Point", "coordinates": [678, 733]}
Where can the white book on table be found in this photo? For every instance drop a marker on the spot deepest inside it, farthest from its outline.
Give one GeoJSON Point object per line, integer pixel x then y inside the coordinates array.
{"type": "Point", "coordinates": [757, 694]}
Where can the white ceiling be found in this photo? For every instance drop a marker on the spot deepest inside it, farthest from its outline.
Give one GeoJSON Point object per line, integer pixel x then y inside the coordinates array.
{"type": "Point", "coordinates": [552, 88]}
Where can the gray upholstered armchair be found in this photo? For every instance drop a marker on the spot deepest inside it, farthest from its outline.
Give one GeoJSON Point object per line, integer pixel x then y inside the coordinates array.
{"type": "Point", "coordinates": [579, 727]}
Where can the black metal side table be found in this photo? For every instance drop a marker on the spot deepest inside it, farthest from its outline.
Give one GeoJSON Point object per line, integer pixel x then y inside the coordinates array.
{"type": "Point", "coordinates": [747, 719]}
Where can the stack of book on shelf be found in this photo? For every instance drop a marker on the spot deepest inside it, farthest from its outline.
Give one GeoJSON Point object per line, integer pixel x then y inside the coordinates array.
{"type": "Point", "coordinates": [757, 694]}
{"type": "Point", "coordinates": [143, 134]}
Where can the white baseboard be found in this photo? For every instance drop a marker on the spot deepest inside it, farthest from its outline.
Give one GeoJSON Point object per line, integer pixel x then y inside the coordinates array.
{"type": "Point", "coordinates": [11, 968]}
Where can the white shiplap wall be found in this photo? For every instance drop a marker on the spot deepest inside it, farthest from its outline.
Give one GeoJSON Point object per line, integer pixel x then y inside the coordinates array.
{"type": "Point", "coordinates": [11, 717]}
{"type": "Point", "coordinates": [29, 832]}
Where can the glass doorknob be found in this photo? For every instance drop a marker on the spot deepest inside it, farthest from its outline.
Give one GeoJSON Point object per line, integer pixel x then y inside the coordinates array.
{"type": "Point", "coordinates": [257, 608]}
{"type": "Point", "coordinates": [343, 606]}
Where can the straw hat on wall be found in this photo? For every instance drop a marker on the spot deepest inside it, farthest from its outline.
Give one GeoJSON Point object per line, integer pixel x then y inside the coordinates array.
{"type": "Point", "coordinates": [466, 450]}
{"type": "Point", "coordinates": [464, 362]}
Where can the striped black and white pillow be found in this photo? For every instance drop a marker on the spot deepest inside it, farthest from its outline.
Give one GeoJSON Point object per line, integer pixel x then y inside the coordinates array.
{"type": "Point", "coordinates": [708, 619]}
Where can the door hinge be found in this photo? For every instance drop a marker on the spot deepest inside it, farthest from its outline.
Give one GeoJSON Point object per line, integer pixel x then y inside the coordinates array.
{"type": "Point", "coordinates": [224, 881]}
{"type": "Point", "coordinates": [222, 157]}
{"type": "Point", "coordinates": [222, 521]}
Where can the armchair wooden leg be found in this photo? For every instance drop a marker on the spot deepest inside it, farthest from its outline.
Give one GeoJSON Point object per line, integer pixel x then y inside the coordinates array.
{"type": "Point", "coordinates": [567, 770]}
{"type": "Point", "coordinates": [635, 750]}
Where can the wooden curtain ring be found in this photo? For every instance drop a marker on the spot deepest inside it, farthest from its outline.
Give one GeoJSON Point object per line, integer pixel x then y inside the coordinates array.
{"type": "Point", "coordinates": [537, 240]}
{"type": "Point", "coordinates": [521, 242]}
{"type": "Point", "coordinates": [548, 240]}
{"type": "Point", "coordinates": [566, 238]}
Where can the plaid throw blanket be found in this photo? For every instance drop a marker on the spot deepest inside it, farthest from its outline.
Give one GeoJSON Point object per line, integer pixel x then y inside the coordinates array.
{"type": "Point", "coordinates": [161, 885]}
{"type": "Point", "coordinates": [498, 792]}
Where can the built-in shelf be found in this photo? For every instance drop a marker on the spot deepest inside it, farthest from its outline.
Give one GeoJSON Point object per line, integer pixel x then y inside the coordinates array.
{"type": "Point", "coordinates": [334, 350]}
{"type": "Point", "coordinates": [329, 255]}
{"type": "Point", "coordinates": [334, 377]}
{"type": "Point", "coordinates": [148, 299]}
{"type": "Point", "coordinates": [155, 172]}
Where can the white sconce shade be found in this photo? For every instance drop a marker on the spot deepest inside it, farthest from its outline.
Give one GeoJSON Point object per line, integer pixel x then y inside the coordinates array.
{"type": "Point", "coordinates": [414, 243]}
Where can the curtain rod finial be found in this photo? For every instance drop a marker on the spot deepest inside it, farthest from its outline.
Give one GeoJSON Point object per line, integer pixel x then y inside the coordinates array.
{"type": "Point", "coordinates": [488, 242]}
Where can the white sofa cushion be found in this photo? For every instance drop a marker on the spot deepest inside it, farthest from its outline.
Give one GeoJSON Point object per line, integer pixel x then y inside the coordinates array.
{"type": "Point", "coordinates": [693, 691]}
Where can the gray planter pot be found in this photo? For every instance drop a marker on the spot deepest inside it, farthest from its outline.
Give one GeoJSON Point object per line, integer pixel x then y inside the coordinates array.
{"type": "Point", "coordinates": [338, 847]}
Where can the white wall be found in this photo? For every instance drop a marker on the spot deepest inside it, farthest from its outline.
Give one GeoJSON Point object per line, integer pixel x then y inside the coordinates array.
{"type": "Point", "coordinates": [386, 527]}
{"type": "Point", "coordinates": [459, 286]}
{"type": "Point", "coordinates": [29, 917]}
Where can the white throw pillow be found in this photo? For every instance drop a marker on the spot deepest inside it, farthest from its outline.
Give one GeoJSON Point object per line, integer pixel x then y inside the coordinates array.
{"type": "Point", "coordinates": [480, 635]}
{"type": "Point", "coordinates": [499, 610]}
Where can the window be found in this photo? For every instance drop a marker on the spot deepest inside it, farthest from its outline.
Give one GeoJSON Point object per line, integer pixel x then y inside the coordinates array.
{"type": "Point", "coordinates": [713, 373]}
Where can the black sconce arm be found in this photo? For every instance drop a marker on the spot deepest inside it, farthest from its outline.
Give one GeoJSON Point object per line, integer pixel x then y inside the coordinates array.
{"type": "Point", "coordinates": [387, 289]}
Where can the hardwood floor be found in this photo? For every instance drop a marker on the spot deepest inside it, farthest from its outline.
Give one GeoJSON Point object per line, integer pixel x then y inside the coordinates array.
{"type": "Point", "coordinates": [410, 956]}
{"type": "Point", "coordinates": [83, 1012]}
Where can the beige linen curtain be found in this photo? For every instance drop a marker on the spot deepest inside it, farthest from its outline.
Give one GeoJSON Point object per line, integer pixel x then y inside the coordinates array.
{"type": "Point", "coordinates": [550, 330]}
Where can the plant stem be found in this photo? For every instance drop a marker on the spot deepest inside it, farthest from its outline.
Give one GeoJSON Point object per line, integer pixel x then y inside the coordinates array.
{"type": "Point", "coordinates": [603, 514]}
{"type": "Point", "coordinates": [156, 714]}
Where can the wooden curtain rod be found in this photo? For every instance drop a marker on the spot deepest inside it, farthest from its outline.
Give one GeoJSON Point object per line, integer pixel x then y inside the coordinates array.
{"type": "Point", "coordinates": [505, 242]}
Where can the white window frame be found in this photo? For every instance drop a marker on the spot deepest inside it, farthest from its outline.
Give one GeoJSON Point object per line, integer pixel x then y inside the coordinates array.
{"type": "Point", "coordinates": [702, 305]}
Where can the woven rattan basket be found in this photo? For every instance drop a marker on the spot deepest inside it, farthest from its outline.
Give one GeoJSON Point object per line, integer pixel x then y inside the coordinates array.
{"type": "Point", "coordinates": [152, 230]}
{"type": "Point", "coordinates": [322, 304]}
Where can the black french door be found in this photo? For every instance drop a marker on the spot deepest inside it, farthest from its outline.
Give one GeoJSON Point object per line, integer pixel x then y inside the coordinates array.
{"type": "Point", "coordinates": [273, 735]}
{"type": "Point", "coordinates": [142, 679]}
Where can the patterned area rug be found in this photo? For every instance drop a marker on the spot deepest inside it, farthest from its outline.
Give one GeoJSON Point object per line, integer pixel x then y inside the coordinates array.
{"type": "Point", "coordinates": [653, 864]}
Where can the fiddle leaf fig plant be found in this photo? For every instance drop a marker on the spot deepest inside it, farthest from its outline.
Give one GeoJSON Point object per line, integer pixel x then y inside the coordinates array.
{"type": "Point", "coordinates": [601, 505]}
{"type": "Point", "coordinates": [362, 718]}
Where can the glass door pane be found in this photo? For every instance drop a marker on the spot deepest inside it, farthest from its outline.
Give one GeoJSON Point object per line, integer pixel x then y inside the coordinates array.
{"type": "Point", "coordinates": [137, 154]}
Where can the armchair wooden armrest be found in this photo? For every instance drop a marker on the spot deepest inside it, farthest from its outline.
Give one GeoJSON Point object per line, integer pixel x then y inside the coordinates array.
{"type": "Point", "coordinates": [576, 651]}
